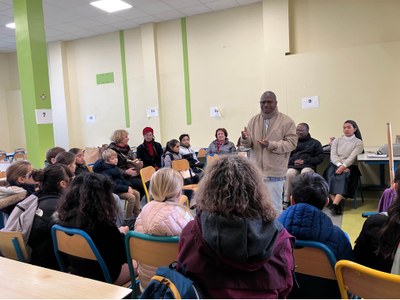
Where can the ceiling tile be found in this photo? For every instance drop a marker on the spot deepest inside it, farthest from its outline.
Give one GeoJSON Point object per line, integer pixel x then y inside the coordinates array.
{"type": "Point", "coordinates": [72, 19]}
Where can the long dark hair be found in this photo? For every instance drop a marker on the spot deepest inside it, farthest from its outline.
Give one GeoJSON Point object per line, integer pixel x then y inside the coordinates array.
{"type": "Point", "coordinates": [357, 133]}
{"type": "Point", "coordinates": [390, 232]}
{"type": "Point", "coordinates": [170, 144]}
{"type": "Point", "coordinates": [51, 176]}
{"type": "Point", "coordinates": [88, 201]}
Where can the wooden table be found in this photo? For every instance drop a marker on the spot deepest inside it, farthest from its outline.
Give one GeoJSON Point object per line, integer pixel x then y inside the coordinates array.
{"type": "Point", "coordinates": [22, 280]}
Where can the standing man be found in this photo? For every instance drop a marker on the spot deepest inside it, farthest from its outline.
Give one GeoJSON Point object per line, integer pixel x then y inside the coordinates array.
{"type": "Point", "coordinates": [305, 158]}
{"type": "Point", "coordinates": [272, 136]}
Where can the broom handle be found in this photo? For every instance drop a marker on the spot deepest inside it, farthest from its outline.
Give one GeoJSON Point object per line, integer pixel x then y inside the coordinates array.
{"type": "Point", "coordinates": [390, 153]}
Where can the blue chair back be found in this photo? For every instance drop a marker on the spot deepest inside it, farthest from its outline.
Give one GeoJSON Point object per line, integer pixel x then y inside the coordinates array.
{"type": "Point", "coordinates": [78, 243]}
{"type": "Point", "coordinates": [314, 272]}
{"type": "Point", "coordinates": [151, 250]}
{"type": "Point", "coordinates": [321, 254]}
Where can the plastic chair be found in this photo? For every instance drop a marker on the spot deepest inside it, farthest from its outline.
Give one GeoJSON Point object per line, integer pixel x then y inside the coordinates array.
{"type": "Point", "coordinates": [201, 155]}
{"type": "Point", "coordinates": [19, 154]}
{"type": "Point", "coordinates": [358, 280]}
{"type": "Point", "coordinates": [211, 158]}
{"type": "Point", "coordinates": [155, 251]}
{"type": "Point", "coordinates": [202, 152]}
{"type": "Point", "coordinates": [76, 242]}
{"type": "Point", "coordinates": [314, 258]}
{"type": "Point", "coordinates": [12, 246]}
{"type": "Point", "coordinates": [315, 270]}
{"type": "Point", "coordinates": [184, 200]}
{"type": "Point", "coordinates": [145, 176]}
{"type": "Point", "coordinates": [182, 165]}
{"type": "Point", "coordinates": [3, 156]}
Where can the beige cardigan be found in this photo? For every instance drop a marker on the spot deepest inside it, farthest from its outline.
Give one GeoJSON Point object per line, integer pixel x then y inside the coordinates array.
{"type": "Point", "coordinates": [282, 138]}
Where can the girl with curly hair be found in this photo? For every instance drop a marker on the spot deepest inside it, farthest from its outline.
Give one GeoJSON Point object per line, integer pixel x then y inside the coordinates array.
{"type": "Point", "coordinates": [235, 247]}
{"type": "Point", "coordinates": [89, 205]}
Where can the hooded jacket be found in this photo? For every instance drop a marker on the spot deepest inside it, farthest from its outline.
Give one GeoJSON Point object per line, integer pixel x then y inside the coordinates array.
{"type": "Point", "coordinates": [245, 258]}
{"type": "Point", "coordinates": [307, 222]}
{"type": "Point", "coordinates": [120, 185]}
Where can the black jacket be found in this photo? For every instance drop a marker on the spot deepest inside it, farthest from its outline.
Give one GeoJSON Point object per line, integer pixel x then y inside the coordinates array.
{"type": "Point", "coordinates": [120, 184]}
{"type": "Point", "coordinates": [143, 154]}
{"type": "Point", "coordinates": [40, 237]}
{"type": "Point", "coordinates": [308, 149]}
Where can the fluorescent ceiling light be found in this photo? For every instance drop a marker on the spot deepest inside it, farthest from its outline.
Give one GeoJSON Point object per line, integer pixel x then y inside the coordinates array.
{"type": "Point", "coordinates": [11, 25]}
{"type": "Point", "coordinates": [111, 5]}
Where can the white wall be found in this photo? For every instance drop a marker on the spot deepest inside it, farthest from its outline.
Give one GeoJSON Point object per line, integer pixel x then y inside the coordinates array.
{"type": "Point", "coordinates": [346, 52]}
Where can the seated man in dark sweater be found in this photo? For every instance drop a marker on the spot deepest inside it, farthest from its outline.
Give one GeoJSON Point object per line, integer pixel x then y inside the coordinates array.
{"type": "Point", "coordinates": [305, 158]}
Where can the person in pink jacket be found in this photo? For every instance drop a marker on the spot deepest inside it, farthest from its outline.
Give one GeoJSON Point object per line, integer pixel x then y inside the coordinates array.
{"type": "Point", "coordinates": [163, 216]}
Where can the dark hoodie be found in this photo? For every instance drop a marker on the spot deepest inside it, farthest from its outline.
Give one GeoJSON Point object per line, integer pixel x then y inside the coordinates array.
{"type": "Point", "coordinates": [120, 185]}
{"type": "Point", "coordinates": [246, 258]}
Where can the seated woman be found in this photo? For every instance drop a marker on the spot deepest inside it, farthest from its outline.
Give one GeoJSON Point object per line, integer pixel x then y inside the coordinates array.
{"type": "Point", "coordinates": [188, 153]}
{"type": "Point", "coordinates": [53, 179]}
{"type": "Point", "coordinates": [377, 243]}
{"type": "Point", "coordinates": [221, 145]}
{"type": "Point", "coordinates": [150, 151]}
{"type": "Point", "coordinates": [89, 205]}
{"type": "Point", "coordinates": [235, 247]}
{"type": "Point", "coordinates": [126, 160]}
{"type": "Point", "coordinates": [20, 185]}
{"type": "Point", "coordinates": [343, 174]}
{"type": "Point", "coordinates": [79, 161]}
{"type": "Point", "coordinates": [164, 215]}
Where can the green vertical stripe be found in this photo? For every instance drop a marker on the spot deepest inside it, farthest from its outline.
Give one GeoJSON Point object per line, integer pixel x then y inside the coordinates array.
{"type": "Point", "coordinates": [33, 76]}
{"type": "Point", "coordinates": [186, 72]}
{"type": "Point", "coordinates": [124, 81]}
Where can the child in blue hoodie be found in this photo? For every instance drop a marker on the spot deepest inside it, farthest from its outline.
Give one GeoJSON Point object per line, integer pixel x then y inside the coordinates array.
{"type": "Point", "coordinates": [305, 220]}
{"type": "Point", "coordinates": [107, 165]}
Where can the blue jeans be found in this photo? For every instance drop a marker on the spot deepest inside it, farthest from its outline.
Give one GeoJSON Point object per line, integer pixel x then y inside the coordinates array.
{"type": "Point", "coordinates": [275, 189]}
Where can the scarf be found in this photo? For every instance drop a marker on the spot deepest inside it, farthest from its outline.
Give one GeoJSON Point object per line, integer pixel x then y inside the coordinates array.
{"type": "Point", "coordinates": [149, 147]}
{"type": "Point", "coordinates": [270, 115]}
{"type": "Point", "coordinates": [219, 144]}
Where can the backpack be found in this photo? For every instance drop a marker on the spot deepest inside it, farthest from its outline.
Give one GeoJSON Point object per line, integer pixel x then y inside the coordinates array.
{"type": "Point", "coordinates": [169, 283]}
{"type": "Point", "coordinates": [21, 217]}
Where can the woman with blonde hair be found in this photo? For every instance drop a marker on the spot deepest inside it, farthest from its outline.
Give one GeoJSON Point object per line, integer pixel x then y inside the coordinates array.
{"type": "Point", "coordinates": [163, 216]}
{"type": "Point", "coordinates": [20, 185]}
{"type": "Point", "coordinates": [126, 159]}
{"type": "Point", "coordinates": [235, 247]}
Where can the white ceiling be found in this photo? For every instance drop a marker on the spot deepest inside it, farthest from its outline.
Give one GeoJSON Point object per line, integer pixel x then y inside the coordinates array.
{"type": "Point", "coordinates": [67, 20]}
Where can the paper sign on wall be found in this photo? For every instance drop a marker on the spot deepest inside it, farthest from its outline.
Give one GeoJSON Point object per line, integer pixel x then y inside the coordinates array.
{"type": "Point", "coordinates": [310, 102]}
{"type": "Point", "coordinates": [43, 116]}
{"type": "Point", "coordinates": [90, 119]}
{"type": "Point", "coordinates": [214, 112]}
{"type": "Point", "coordinates": [152, 112]}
